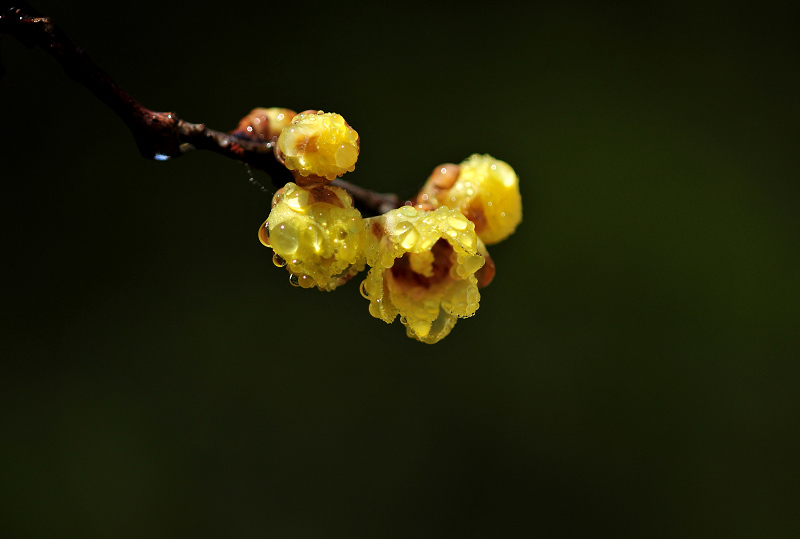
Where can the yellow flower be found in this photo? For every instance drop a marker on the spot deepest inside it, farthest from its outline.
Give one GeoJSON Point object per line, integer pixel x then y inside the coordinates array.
{"type": "Point", "coordinates": [484, 189]}
{"type": "Point", "coordinates": [319, 144]}
{"type": "Point", "coordinates": [317, 234]}
{"type": "Point", "coordinates": [423, 269]}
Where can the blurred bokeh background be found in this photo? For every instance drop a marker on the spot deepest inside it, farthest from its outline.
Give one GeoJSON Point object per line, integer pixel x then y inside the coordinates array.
{"type": "Point", "coordinates": [633, 371]}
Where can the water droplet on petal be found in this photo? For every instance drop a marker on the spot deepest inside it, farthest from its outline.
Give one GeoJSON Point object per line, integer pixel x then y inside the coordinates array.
{"type": "Point", "coordinates": [459, 222]}
{"type": "Point", "coordinates": [297, 199]}
{"type": "Point", "coordinates": [409, 238]}
{"type": "Point", "coordinates": [294, 280]}
{"type": "Point", "coordinates": [263, 235]}
{"type": "Point", "coordinates": [278, 261]}
{"type": "Point", "coordinates": [363, 289]}
{"type": "Point", "coordinates": [313, 237]}
{"type": "Point", "coordinates": [426, 243]}
{"type": "Point", "coordinates": [408, 211]}
{"type": "Point", "coordinates": [284, 239]}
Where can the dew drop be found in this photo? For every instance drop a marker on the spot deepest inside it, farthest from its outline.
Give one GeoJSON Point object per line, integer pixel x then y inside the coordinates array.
{"type": "Point", "coordinates": [409, 238]}
{"type": "Point", "coordinates": [284, 239]}
{"type": "Point", "coordinates": [297, 200]}
{"type": "Point", "coordinates": [263, 235]}
{"type": "Point", "coordinates": [473, 263]}
{"type": "Point", "coordinates": [313, 237]}
{"type": "Point", "coordinates": [408, 211]}
{"type": "Point", "coordinates": [363, 290]}
{"type": "Point", "coordinates": [278, 261]}
{"type": "Point", "coordinates": [425, 243]}
{"type": "Point", "coordinates": [459, 222]}
{"type": "Point", "coordinates": [354, 225]}
{"type": "Point", "coordinates": [345, 156]}
{"type": "Point", "coordinates": [293, 280]}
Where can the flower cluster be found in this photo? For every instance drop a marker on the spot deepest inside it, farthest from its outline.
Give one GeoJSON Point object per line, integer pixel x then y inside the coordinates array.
{"type": "Point", "coordinates": [427, 259]}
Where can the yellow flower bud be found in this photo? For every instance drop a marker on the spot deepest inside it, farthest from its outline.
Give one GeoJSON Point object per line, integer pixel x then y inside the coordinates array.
{"type": "Point", "coordinates": [319, 144]}
{"type": "Point", "coordinates": [423, 269]}
{"type": "Point", "coordinates": [484, 189]}
{"type": "Point", "coordinates": [317, 234]}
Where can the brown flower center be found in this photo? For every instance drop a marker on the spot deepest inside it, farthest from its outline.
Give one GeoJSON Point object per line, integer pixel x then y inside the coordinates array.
{"type": "Point", "coordinates": [407, 273]}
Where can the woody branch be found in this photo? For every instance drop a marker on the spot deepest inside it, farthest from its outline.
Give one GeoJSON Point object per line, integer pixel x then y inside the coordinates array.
{"type": "Point", "coordinates": [158, 135]}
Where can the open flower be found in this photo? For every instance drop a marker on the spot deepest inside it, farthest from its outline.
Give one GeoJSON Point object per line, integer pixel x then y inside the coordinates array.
{"type": "Point", "coordinates": [319, 144]}
{"type": "Point", "coordinates": [423, 269]}
{"type": "Point", "coordinates": [316, 234]}
{"type": "Point", "coordinates": [484, 189]}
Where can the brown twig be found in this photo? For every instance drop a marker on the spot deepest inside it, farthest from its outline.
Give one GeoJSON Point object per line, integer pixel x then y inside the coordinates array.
{"type": "Point", "coordinates": [158, 135]}
{"type": "Point", "coordinates": [378, 203]}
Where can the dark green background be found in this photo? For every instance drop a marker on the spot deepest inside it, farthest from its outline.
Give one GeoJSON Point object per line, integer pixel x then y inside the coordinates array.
{"type": "Point", "coordinates": [633, 371]}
